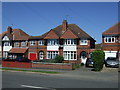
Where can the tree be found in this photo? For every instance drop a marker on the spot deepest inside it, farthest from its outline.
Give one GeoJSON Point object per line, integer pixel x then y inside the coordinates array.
{"type": "Point", "coordinates": [98, 59]}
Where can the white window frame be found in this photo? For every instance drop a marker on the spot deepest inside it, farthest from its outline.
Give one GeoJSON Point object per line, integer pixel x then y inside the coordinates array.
{"type": "Point", "coordinates": [70, 55]}
{"type": "Point", "coordinates": [32, 43]}
{"type": "Point", "coordinates": [17, 44]}
{"type": "Point", "coordinates": [5, 54]}
{"type": "Point", "coordinates": [41, 42]}
{"type": "Point", "coordinates": [69, 42]}
{"type": "Point", "coordinates": [52, 42]}
{"type": "Point", "coordinates": [23, 43]}
{"type": "Point", "coordinates": [52, 54]}
{"type": "Point", "coordinates": [83, 42]}
{"type": "Point", "coordinates": [111, 38]}
{"type": "Point", "coordinates": [6, 43]}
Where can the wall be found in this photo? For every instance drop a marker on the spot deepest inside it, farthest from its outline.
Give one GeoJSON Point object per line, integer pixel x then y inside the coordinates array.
{"type": "Point", "coordinates": [16, 64]}
{"type": "Point", "coordinates": [52, 66]}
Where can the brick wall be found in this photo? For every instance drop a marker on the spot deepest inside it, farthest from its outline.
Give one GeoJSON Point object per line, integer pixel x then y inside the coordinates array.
{"type": "Point", "coordinates": [52, 66]}
{"type": "Point", "coordinates": [16, 64]}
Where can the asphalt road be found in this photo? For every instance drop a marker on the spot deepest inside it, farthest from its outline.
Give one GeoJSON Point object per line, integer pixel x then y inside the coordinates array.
{"type": "Point", "coordinates": [72, 79]}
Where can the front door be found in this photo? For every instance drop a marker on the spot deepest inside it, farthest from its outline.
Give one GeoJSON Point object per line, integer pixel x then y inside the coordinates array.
{"type": "Point", "coordinates": [33, 56]}
{"type": "Point", "coordinates": [83, 57]}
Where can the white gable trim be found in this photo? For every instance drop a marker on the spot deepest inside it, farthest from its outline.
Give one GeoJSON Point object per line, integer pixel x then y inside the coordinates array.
{"type": "Point", "coordinates": [5, 38]}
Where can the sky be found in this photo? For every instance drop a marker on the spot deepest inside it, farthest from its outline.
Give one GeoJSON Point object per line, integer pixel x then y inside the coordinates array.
{"type": "Point", "coordinates": [36, 18]}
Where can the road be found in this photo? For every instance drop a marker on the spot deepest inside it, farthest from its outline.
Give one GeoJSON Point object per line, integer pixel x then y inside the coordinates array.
{"type": "Point", "coordinates": [72, 79]}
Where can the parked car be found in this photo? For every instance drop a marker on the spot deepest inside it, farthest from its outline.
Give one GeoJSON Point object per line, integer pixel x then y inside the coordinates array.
{"type": "Point", "coordinates": [89, 63]}
{"type": "Point", "coordinates": [112, 62]}
{"type": "Point", "coordinates": [22, 59]}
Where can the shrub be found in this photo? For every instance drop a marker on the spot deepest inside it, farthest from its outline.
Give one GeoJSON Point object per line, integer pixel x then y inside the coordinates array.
{"type": "Point", "coordinates": [58, 59]}
{"type": "Point", "coordinates": [98, 59]}
{"type": "Point", "coordinates": [82, 64]}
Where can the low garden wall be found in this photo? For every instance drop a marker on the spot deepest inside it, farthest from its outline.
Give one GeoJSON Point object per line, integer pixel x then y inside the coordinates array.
{"type": "Point", "coordinates": [39, 65]}
{"type": "Point", "coordinates": [64, 66]}
{"type": "Point", "coordinates": [16, 64]}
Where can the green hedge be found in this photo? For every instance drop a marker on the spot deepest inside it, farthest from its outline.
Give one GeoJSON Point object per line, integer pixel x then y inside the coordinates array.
{"type": "Point", "coordinates": [98, 59]}
{"type": "Point", "coordinates": [58, 59]}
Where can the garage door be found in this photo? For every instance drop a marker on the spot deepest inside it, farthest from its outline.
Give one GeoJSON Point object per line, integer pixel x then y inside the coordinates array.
{"type": "Point", "coordinates": [33, 56]}
{"type": "Point", "coordinates": [113, 54]}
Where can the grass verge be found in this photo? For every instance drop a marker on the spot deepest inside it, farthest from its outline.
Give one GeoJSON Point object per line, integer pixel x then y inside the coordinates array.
{"type": "Point", "coordinates": [49, 72]}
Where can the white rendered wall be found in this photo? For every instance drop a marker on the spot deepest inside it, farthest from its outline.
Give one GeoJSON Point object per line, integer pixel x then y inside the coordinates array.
{"type": "Point", "coordinates": [53, 48]}
{"type": "Point", "coordinates": [6, 48]}
{"type": "Point", "coordinates": [69, 48]}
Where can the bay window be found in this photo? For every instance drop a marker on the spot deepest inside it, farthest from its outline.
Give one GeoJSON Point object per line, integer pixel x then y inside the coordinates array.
{"type": "Point", "coordinates": [69, 42]}
{"type": "Point", "coordinates": [52, 54]}
{"type": "Point", "coordinates": [70, 55]}
{"type": "Point", "coordinates": [53, 42]}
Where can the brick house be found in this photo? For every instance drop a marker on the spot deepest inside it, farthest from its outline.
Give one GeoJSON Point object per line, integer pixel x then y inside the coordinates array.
{"type": "Point", "coordinates": [67, 40]}
{"type": "Point", "coordinates": [14, 43]}
{"type": "Point", "coordinates": [111, 41]}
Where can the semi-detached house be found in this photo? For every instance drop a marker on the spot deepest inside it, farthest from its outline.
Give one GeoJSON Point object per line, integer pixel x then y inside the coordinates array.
{"type": "Point", "coordinates": [67, 40]}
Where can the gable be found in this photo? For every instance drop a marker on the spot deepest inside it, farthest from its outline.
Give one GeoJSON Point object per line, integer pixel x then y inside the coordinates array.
{"type": "Point", "coordinates": [51, 35]}
{"type": "Point", "coordinates": [5, 38]}
{"type": "Point", "coordinates": [68, 34]}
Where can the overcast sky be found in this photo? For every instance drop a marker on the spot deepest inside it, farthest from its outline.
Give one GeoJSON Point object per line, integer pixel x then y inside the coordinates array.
{"type": "Point", "coordinates": [36, 18]}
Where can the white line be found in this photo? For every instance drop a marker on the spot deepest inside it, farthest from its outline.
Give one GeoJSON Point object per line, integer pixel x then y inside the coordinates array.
{"type": "Point", "coordinates": [36, 87]}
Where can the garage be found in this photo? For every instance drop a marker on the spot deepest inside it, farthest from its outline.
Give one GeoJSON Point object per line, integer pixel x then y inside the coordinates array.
{"type": "Point", "coordinates": [33, 56]}
{"type": "Point", "coordinates": [110, 54]}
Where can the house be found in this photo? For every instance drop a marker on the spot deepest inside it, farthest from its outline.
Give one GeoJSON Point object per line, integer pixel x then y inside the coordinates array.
{"type": "Point", "coordinates": [111, 41]}
{"type": "Point", "coordinates": [14, 43]}
{"type": "Point", "coordinates": [67, 40]}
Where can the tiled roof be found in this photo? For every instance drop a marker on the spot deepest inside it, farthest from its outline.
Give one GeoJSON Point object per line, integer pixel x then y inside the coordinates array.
{"type": "Point", "coordinates": [74, 29]}
{"type": "Point", "coordinates": [115, 29]}
{"type": "Point", "coordinates": [18, 50]}
{"type": "Point", "coordinates": [16, 34]}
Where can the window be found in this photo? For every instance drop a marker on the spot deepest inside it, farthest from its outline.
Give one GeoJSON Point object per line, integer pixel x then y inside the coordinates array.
{"type": "Point", "coordinates": [52, 54]}
{"type": "Point", "coordinates": [41, 42]}
{"type": "Point", "coordinates": [32, 43]}
{"type": "Point", "coordinates": [83, 42]}
{"type": "Point", "coordinates": [16, 44]}
{"type": "Point", "coordinates": [41, 55]}
{"type": "Point", "coordinates": [53, 42]}
{"type": "Point", "coordinates": [6, 44]}
{"type": "Point", "coordinates": [23, 43]}
{"type": "Point", "coordinates": [69, 42]}
{"type": "Point", "coordinates": [119, 39]}
{"type": "Point", "coordinates": [109, 39]}
{"type": "Point", "coordinates": [70, 55]}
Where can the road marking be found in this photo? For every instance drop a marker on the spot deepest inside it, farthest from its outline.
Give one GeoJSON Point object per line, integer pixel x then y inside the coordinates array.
{"type": "Point", "coordinates": [37, 87]}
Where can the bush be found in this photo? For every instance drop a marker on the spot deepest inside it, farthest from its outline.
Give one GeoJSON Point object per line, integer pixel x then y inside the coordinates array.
{"type": "Point", "coordinates": [58, 59]}
{"type": "Point", "coordinates": [98, 59]}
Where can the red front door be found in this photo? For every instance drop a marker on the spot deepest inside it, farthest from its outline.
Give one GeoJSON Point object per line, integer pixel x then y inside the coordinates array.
{"type": "Point", "coordinates": [33, 56]}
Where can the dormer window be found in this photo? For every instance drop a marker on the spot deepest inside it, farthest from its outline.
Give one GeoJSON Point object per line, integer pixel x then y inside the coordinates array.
{"type": "Point", "coordinates": [83, 42]}
{"type": "Point", "coordinates": [109, 39]}
{"type": "Point", "coordinates": [32, 43]}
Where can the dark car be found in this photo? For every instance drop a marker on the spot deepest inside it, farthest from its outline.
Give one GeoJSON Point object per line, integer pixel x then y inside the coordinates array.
{"type": "Point", "coordinates": [89, 63]}
{"type": "Point", "coordinates": [22, 59]}
{"type": "Point", "coordinates": [112, 62]}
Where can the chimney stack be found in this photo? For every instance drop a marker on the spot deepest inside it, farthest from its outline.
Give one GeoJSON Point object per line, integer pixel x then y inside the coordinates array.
{"type": "Point", "coordinates": [9, 30]}
{"type": "Point", "coordinates": [64, 26]}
